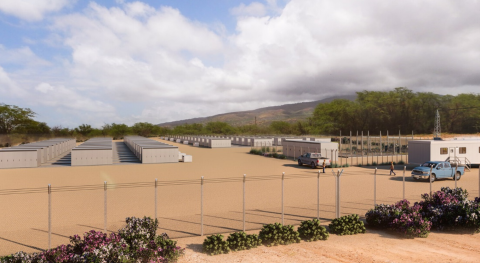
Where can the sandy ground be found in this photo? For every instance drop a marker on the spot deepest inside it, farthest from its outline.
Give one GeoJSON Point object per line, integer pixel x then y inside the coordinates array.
{"type": "Point", "coordinates": [24, 218]}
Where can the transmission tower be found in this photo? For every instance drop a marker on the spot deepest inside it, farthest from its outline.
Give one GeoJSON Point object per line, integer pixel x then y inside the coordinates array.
{"type": "Point", "coordinates": [437, 131]}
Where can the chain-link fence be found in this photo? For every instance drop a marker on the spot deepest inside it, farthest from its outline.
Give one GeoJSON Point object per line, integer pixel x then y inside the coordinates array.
{"type": "Point", "coordinates": [33, 219]}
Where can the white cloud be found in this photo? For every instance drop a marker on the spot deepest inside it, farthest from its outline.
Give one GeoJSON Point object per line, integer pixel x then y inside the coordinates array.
{"type": "Point", "coordinates": [31, 10]}
{"type": "Point", "coordinates": [253, 9]}
{"type": "Point", "coordinates": [70, 99]}
{"type": "Point", "coordinates": [177, 68]}
{"type": "Point", "coordinates": [22, 56]}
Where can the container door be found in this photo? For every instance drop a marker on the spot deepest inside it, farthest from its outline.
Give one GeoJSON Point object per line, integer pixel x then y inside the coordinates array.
{"type": "Point", "coordinates": [452, 153]}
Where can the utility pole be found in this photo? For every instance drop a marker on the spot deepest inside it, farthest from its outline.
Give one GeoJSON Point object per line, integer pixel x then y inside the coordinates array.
{"type": "Point", "coordinates": [437, 131]}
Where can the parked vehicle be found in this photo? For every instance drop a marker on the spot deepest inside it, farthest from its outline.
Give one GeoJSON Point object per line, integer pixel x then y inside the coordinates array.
{"type": "Point", "coordinates": [439, 170]}
{"type": "Point", "coordinates": [313, 159]}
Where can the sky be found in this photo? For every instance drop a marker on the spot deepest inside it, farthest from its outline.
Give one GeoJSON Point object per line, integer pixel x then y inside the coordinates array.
{"type": "Point", "coordinates": [120, 61]}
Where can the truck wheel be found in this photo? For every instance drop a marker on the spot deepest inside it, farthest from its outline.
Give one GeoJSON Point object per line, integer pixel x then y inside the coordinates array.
{"type": "Point", "coordinates": [313, 165]}
{"type": "Point", "coordinates": [433, 178]}
{"type": "Point", "coordinates": [299, 162]}
{"type": "Point", "coordinates": [459, 175]}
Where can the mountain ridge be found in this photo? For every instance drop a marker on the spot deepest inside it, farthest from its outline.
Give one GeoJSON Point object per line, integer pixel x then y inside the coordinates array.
{"type": "Point", "coordinates": [287, 112]}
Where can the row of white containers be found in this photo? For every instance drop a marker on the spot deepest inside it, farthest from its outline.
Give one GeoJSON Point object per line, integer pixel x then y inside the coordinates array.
{"type": "Point", "coordinates": [210, 142]}
{"type": "Point", "coordinates": [151, 151]}
{"type": "Point", "coordinates": [96, 151]}
{"type": "Point", "coordinates": [227, 141]}
{"type": "Point", "coordinates": [34, 154]}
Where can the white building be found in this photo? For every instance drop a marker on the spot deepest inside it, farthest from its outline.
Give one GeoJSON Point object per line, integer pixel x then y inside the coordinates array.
{"type": "Point", "coordinates": [295, 148]}
{"type": "Point", "coordinates": [466, 152]}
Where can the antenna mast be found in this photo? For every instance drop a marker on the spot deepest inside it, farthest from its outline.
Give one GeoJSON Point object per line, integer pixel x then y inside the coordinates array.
{"type": "Point", "coordinates": [437, 132]}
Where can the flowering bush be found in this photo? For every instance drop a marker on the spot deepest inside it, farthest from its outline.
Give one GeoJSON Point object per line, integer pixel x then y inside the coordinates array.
{"type": "Point", "coordinates": [447, 208]}
{"type": "Point", "coordinates": [136, 242]}
{"type": "Point", "coordinates": [139, 232]}
{"type": "Point", "coordinates": [382, 215]}
{"type": "Point", "coordinates": [450, 208]}
{"type": "Point", "coordinates": [411, 223]}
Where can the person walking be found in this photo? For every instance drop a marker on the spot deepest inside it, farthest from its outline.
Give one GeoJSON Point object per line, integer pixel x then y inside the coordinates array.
{"type": "Point", "coordinates": [391, 169]}
{"type": "Point", "coordinates": [323, 166]}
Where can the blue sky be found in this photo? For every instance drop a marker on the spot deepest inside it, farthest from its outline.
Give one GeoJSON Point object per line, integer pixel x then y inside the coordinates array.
{"type": "Point", "coordinates": [98, 62]}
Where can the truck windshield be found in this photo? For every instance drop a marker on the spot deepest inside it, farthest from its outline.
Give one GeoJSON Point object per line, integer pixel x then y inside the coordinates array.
{"type": "Point", "coordinates": [427, 164]}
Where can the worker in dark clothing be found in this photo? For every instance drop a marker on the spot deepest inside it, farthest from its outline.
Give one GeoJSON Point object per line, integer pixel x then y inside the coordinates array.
{"type": "Point", "coordinates": [391, 169]}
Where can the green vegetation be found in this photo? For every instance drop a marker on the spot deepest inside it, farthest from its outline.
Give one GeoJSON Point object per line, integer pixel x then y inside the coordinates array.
{"type": "Point", "coordinates": [241, 241]}
{"type": "Point", "coordinates": [375, 111]}
{"type": "Point", "coordinates": [311, 230]}
{"type": "Point", "coordinates": [398, 109]}
{"type": "Point", "coordinates": [278, 234]}
{"type": "Point", "coordinates": [215, 245]}
{"type": "Point", "coordinates": [347, 225]}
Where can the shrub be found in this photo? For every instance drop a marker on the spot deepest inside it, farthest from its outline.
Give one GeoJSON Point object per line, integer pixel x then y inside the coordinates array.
{"type": "Point", "coordinates": [278, 234]}
{"type": "Point", "coordinates": [311, 230]}
{"type": "Point", "coordinates": [447, 208]}
{"type": "Point", "coordinates": [282, 156]}
{"type": "Point", "coordinates": [401, 162]}
{"type": "Point", "coordinates": [275, 155]}
{"type": "Point", "coordinates": [346, 165]}
{"type": "Point", "coordinates": [347, 225]}
{"type": "Point", "coordinates": [241, 241]}
{"type": "Point", "coordinates": [450, 208]}
{"type": "Point", "coordinates": [169, 249]}
{"type": "Point", "coordinates": [215, 245]}
{"type": "Point", "coordinates": [411, 223]}
{"type": "Point", "coordinates": [134, 243]}
{"type": "Point", "coordinates": [139, 232]}
{"type": "Point", "coordinates": [160, 250]}
{"type": "Point", "coordinates": [374, 163]}
{"type": "Point", "coordinates": [93, 247]}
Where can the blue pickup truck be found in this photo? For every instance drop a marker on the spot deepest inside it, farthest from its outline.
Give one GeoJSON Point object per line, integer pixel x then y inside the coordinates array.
{"type": "Point", "coordinates": [439, 170]}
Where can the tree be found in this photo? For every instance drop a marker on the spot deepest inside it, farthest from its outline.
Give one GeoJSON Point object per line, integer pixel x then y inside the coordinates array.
{"type": "Point", "coordinates": [281, 127]}
{"type": "Point", "coordinates": [218, 127]}
{"type": "Point", "coordinates": [12, 117]}
{"type": "Point", "coordinates": [84, 129]}
{"type": "Point", "coordinates": [145, 129]}
{"type": "Point", "coordinates": [119, 130]}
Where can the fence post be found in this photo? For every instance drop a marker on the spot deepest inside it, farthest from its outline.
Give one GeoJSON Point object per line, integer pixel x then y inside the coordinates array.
{"type": "Point", "coordinates": [244, 179]}
{"type": "Point", "coordinates": [156, 184]}
{"type": "Point", "coordinates": [362, 148]}
{"type": "Point", "coordinates": [283, 214]}
{"type": "Point", "coordinates": [337, 190]}
{"type": "Point", "coordinates": [356, 147]}
{"type": "Point", "coordinates": [201, 206]}
{"type": "Point", "coordinates": [338, 193]}
{"type": "Point", "coordinates": [49, 216]}
{"type": "Point", "coordinates": [455, 175]}
{"type": "Point", "coordinates": [105, 206]}
{"type": "Point", "coordinates": [404, 170]}
{"type": "Point", "coordinates": [318, 195]}
{"type": "Point", "coordinates": [375, 188]}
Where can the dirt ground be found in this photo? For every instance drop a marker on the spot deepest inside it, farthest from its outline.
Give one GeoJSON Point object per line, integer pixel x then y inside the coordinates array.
{"type": "Point", "coordinates": [24, 218]}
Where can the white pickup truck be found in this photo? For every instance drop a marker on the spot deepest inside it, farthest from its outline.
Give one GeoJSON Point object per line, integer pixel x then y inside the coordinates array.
{"type": "Point", "coordinates": [313, 160]}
